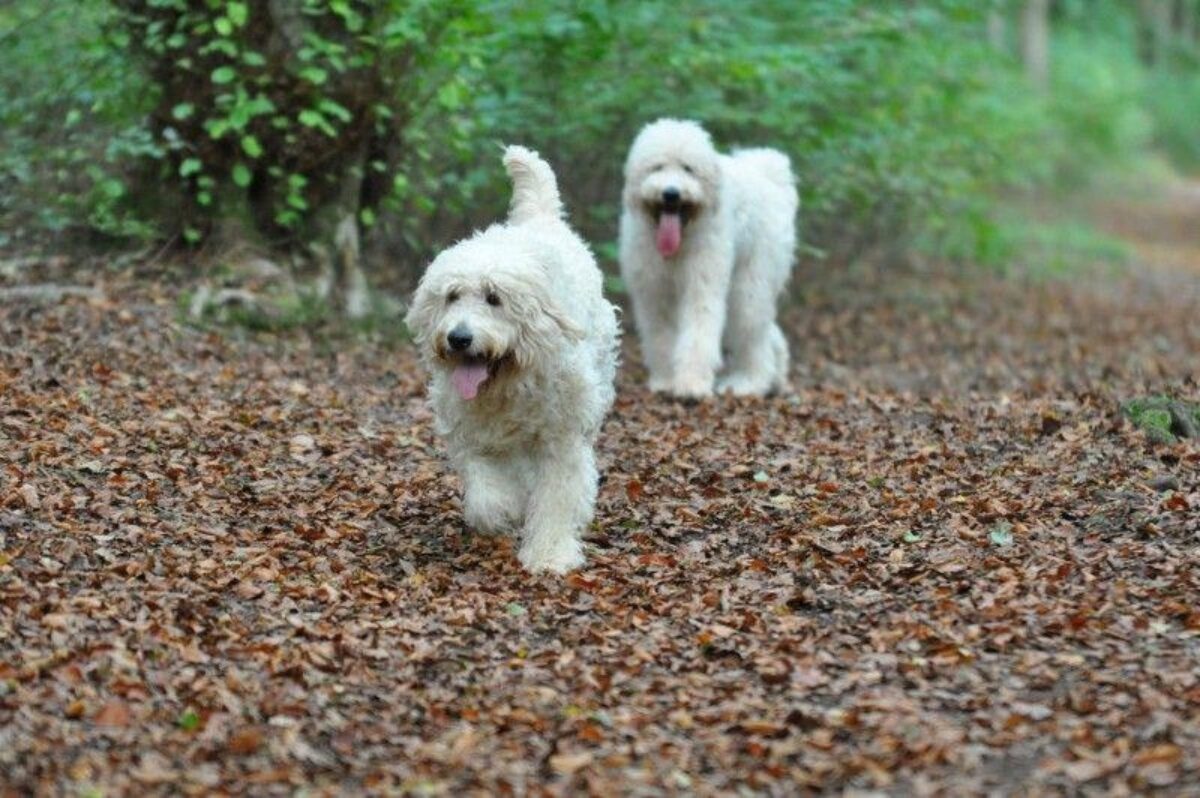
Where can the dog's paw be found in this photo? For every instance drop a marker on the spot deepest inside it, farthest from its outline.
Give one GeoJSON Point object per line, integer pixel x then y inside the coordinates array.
{"type": "Point", "coordinates": [742, 385]}
{"type": "Point", "coordinates": [563, 555]}
{"type": "Point", "coordinates": [659, 384]}
{"type": "Point", "coordinates": [691, 386]}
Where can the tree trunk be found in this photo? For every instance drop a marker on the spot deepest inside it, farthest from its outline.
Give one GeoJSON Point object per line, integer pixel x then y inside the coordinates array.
{"type": "Point", "coordinates": [997, 26]}
{"type": "Point", "coordinates": [1186, 22]}
{"type": "Point", "coordinates": [352, 287]}
{"type": "Point", "coordinates": [1156, 27]}
{"type": "Point", "coordinates": [342, 282]}
{"type": "Point", "coordinates": [1035, 41]}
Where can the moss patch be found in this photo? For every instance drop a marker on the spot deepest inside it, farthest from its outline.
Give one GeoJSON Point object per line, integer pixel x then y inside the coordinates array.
{"type": "Point", "coordinates": [1162, 418]}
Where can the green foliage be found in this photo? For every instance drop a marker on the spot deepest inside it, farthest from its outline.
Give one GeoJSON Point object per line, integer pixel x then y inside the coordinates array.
{"type": "Point", "coordinates": [1009, 242]}
{"type": "Point", "coordinates": [1173, 101]}
{"type": "Point", "coordinates": [159, 118]}
{"type": "Point", "coordinates": [300, 310]}
{"type": "Point", "coordinates": [892, 114]}
{"type": "Point", "coordinates": [71, 122]}
{"type": "Point", "coordinates": [1098, 121]}
{"type": "Point", "coordinates": [281, 111]}
{"type": "Point", "coordinates": [1059, 249]}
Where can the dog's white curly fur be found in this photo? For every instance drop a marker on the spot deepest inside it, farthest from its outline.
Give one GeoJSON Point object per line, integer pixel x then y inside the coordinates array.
{"type": "Point", "coordinates": [530, 296]}
{"type": "Point", "coordinates": [705, 313]}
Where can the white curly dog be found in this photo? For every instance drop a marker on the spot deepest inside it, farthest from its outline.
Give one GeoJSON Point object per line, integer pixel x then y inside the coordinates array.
{"type": "Point", "coordinates": [707, 245]}
{"type": "Point", "coordinates": [521, 346]}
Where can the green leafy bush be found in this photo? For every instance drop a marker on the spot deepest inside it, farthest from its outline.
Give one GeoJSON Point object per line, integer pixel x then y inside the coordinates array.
{"type": "Point", "coordinates": [272, 119]}
{"type": "Point", "coordinates": [1173, 101]}
{"type": "Point", "coordinates": [1098, 120]}
{"type": "Point", "coordinates": [893, 115]}
{"type": "Point", "coordinates": [72, 135]}
{"type": "Point", "coordinates": [277, 112]}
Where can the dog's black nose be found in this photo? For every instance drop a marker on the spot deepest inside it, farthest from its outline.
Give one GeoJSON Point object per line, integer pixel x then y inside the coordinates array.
{"type": "Point", "coordinates": [459, 338]}
{"type": "Point", "coordinates": [671, 196]}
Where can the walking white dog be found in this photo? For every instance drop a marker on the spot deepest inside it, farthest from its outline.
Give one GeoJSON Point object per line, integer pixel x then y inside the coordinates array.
{"type": "Point", "coordinates": [522, 349]}
{"type": "Point", "coordinates": [707, 245]}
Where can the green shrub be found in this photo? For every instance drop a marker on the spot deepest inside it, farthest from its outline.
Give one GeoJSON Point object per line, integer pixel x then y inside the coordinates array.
{"type": "Point", "coordinates": [1099, 122]}
{"type": "Point", "coordinates": [1173, 101]}
{"type": "Point", "coordinates": [72, 130]}
{"type": "Point", "coordinates": [278, 112]}
{"type": "Point", "coordinates": [273, 119]}
{"type": "Point", "coordinates": [894, 116]}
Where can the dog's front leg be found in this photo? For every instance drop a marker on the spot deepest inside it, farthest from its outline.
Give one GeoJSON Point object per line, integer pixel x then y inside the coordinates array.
{"type": "Point", "coordinates": [656, 329]}
{"type": "Point", "coordinates": [493, 496]}
{"type": "Point", "coordinates": [560, 508]}
{"type": "Point", "coordinates": [697, 354]}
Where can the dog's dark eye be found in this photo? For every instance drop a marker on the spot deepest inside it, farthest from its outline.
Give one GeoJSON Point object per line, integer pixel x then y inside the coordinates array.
{"type": "Point", "coordinates": [688, 169]}
{"type": "Point", "coordinates": [493, 299]}
{"type": "Point", "coordinates": [451, 297]}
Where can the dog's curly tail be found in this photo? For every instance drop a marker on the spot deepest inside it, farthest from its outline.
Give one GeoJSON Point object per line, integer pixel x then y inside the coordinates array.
{"type": "Point", "coordinates": [535, 190]}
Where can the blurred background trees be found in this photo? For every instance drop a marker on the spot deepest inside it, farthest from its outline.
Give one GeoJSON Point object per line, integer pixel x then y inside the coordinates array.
{"type": "Point", "coordinates": [205, 123]}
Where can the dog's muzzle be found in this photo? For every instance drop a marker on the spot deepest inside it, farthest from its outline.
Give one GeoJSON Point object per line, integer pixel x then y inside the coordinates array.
{"type": "Point", "coordinates": [471, 370]}
{"type": "Point", "coordinates": [459, 339]}
{"type": "Point", "coordinates": [671, 213]}
{"type": "Point", "coordinates": [671, 203]}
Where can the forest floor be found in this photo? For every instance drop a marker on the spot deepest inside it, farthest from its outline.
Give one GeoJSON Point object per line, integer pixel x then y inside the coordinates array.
{"type": "Point", "coordinates": [946, 564]}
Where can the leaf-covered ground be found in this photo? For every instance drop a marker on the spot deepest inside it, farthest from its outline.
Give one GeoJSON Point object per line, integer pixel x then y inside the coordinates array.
{"type": "Point", "coordinates": [946, 564]}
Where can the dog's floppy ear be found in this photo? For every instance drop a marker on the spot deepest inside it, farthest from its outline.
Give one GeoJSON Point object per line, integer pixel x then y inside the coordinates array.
{"type": "Point", "coordinates": [570, 330]}
{"type": "Point", "coordinates": [423, 309]}
{"type": "Point", "coordinates": [543, 324]}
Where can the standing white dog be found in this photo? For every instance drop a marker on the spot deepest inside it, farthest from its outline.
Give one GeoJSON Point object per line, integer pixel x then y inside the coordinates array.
{"type": "Point", "coordinates": [707, 245]}
{"type": "Point", "coordinates": [522, 349]}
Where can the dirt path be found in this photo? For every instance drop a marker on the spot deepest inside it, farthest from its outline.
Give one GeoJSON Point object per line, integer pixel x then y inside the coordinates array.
{"type": "Point", "coordinates": [1165, 231]}
{"type": "Point", "coordinates": [946, 564]}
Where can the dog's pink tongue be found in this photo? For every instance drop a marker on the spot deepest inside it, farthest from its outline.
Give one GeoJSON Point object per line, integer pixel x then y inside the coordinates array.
{"type": "Point", "coordinates": [467, 379]}
{"type": "Point", "coordinates": [670, 231]}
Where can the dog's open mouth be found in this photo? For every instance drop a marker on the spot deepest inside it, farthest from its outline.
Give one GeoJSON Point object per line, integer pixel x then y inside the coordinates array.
{"type": "Point", "coordinates": [669, 220]}
{"type": "Point", "coordinates": [470, 375]}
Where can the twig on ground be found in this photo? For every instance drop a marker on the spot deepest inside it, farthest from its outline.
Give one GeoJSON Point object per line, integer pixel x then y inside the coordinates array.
{"type": "Point", "coordinates": [1183, 425]}
{"type": "Point", "coordinates": [47, 292]}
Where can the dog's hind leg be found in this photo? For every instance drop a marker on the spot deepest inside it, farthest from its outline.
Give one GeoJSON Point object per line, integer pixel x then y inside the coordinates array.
{"type": "Point", "coordinates": [779, 349]}
{"type": "Point", "coordinates": [756, 353]}
{"type": "Point", "coordinates": [753, 366]}
{"type": "Point", "coordinates": [560, 508]}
